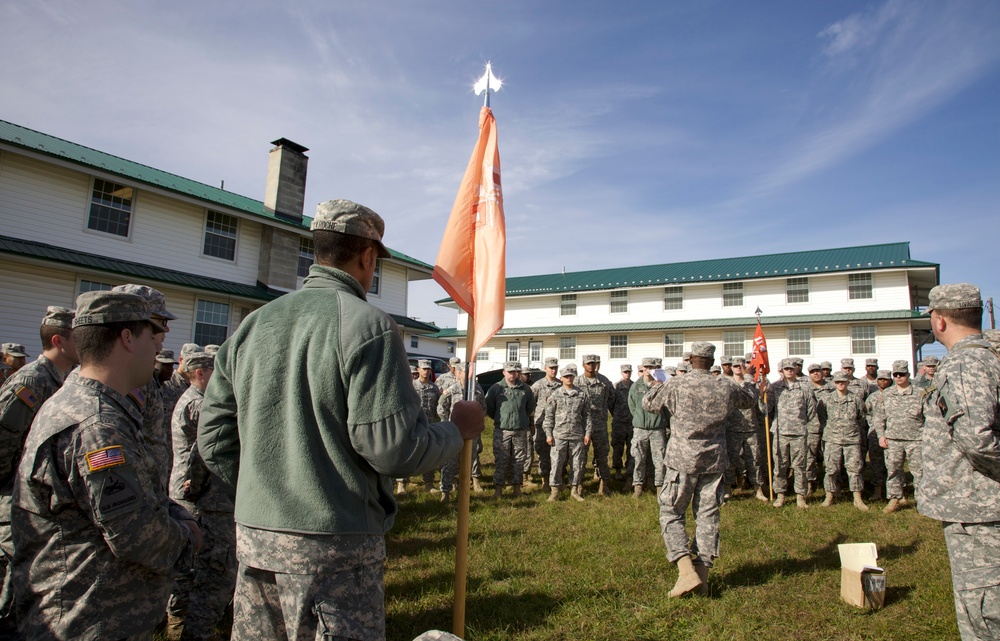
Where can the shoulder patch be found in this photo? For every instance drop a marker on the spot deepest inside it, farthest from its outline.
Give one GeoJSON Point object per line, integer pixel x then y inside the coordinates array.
{"type": "Point", "coordinates": [105, 457]}
{"type": "Point", "coordinates": [27, 397]}
{"type": "Point", "coordinates": [138, 397]}
{"type": "Point", "coordinates": [117, 495]}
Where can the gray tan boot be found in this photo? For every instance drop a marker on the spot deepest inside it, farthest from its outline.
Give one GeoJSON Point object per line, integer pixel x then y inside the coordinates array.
{"type": "Point", "coordinates": [517, 490]}
{"type": "Point", "coordinates": [800, 501]}
{"type": "Point", "coordinates": [577, 493]}
{"type": "Point", "coordinates": [891, 506]}
{"type": "Point", "coordinates": [175, 627]}
{"type": "Point", "coordinates": [444, 497]}
{"type": "Point", "coordinates": [702, 571]}
{"type": "Point", "coordinates": [687, 578]}
{"type": "Point", "coordinates": [727, 493]}
{"type": "Point", "coordinates": [828, 501]}
{"type": "Point", "coordinates": [400, 487]}
{"type": "Point", "coordinates": [780, 501]}
{"type": "Point", "coordinates": [859, 503]}
{"type": "Point", "coordinates": [553, 494]}
{"type": "Point", "coordinates": [604, 490]}
{"type": "Point", "coordinates": [476, 485]}
{"type": "Point", "coordinates": [636, 491]}
{"type": "Point", "coordinates": [760, 496]}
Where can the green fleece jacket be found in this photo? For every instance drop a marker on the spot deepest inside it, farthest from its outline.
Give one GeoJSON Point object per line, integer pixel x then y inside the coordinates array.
{"type": "Point", "coordinates": [311, 412]}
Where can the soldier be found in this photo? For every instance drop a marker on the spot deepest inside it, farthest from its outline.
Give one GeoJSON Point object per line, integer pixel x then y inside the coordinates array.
{"type": "Point", "coordinates": [650, 429]}
{"type": "Point", "coordinates": [112, 526]}
{"type": "Point", "coordinates": [568, 426]}
{"type": "Point", "coordinates": [313, 506]}
{"type": "Point", "coordinates": [164, 370]}
{"type": "Point", "coordinates": [683, 368]}
{"type": "Point", "coordinates": [171, 391]}
{"type": "Point", "coordinates": [899, 423]}
{"type": "Point", "coordinates": [695, 462]}
{"type": "Point", "coordinates": [510, 403]}
{"type": "Point", "coordinates": [601, 393]}
{"type": "Point", "coordinates": [821, 389]}
{"type": "Point", "coordinates": [927, 377]}
{"type": "Point", "coordinates": [414, 374]}
{"type": "Point", "coordinates": [794, 408]}
{"type": "Point", "coordinates": [876, 453]}
{"type": "Point", "coordinates": [842, 437]}
{"type": "Point", "coordinates": [14, 357]}
{"type": "Point", "coordinates": [541, 389]}
{"type": "Point", "coordinates": [449, 396]}
{"type": "Point", "coordinates": [961, 456]}
{"type": "Point", "coordinates": [726, 363]}
{"type": "Point", "coordinates": [827, 368]}
{"type": "Point", "coordinates": [715, 370]}
{"type": "Point", "coordinates": [742, 437]}
{"type": "Point", "coordinates": [20, 399]}
{"type": "Point", "coordinates": [184, 424]}
{"type": "Point", "coordinates": [621, 427]}
{"type": "Point", "coordinates": [871, 372]}
{"type": "Point", "coordinates": [429, 394]}
{"type": "Point", "coordinates": [449, 377]}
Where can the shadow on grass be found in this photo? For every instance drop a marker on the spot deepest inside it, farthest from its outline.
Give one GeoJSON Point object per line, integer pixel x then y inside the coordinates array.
{"type": "Point", "coordinates": [485, 615]}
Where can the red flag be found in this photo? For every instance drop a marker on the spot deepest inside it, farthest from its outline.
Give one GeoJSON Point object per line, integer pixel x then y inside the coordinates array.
{"type": "Point", "coordinates": [471, 262]}
{"type": "Point", "coordinates": [758, 357]}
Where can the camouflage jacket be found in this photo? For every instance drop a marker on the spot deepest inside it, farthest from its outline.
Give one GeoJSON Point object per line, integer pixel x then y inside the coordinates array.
{"type": "Point", "coordinates": [567, 414]}
{"type": "Point", "coordinates": [429, 394]}
{"type": "Point", "coordinates": [541, 389]}
{"type": "Point", "coordinates": [899, 414]}
{"type": "Point", "coordinates": [602, 397]}
{"type": "Point", "coordinates": [20, 399]}
{"type": "Point", "coordinates": [454, 393]}
{"type": "Point", "coordinates": [794, 408]}
{"type": "Point", "coordinates": [844, 418]}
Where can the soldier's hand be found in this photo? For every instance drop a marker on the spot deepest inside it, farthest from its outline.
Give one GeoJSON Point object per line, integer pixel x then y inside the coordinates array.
{"type": "Point", "coordinates": [551, 441]}
{"type": "Point", "coordinates": [470, 419]}
{"type": "Point", "coordinates": [883, 443]}
{"type": "Point", "coordinates": [586, 440]}
{"type": "Point", "coordinates": [195, 533]}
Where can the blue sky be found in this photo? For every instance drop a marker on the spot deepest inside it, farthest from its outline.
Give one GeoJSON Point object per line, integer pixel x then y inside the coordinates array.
{"type": "Point", "coordinates": [630, 133]}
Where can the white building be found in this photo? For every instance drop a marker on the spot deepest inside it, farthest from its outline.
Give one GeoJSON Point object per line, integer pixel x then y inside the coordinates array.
{"type": "Point", "coordinates": [823, 305]}
{"type": "Point", "coordinates": [74, 219]}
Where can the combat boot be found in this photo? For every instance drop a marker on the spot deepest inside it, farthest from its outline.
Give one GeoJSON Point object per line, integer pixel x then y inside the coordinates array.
{"type": "Point", "coordinates": [577, 493]}
{"type": "Point", "coordinates": [636, 491]}
{"type": "Point", "coordinates": [528, 481]}
{"type": "Point", "coordinates": [517, 490]}
{"type": "Point", "coordinates": [727, 493]}
{"type": "Point", "coordinates": [429, 486]}
{"type": "Point", "coordinates": [604, 490]}
{"type": "Point", "coordinates": [497, 490]}
{"type": "Point", "coordinates": [858, 503]}
{"type": "Point", "coordinates": [687, 578]}
{"type": "Point", "coordinates": [444, 497]}
{"type": "Point", "coordinates": [891, 506]}
{"type": "Point", "coordinates": [553, 495]}
{"type": "Point", "coordinates": [780, 501]}
{"type": "Point", "coordinates": [902, 500]}
{"type": "Point", "coordinates": [175, 627]}
{"type": "Point", "coordinates": [702, 571]}
{"type": "Point", "coordinates": [760, 496]}
{"type": "Point", "coordinates": [400, 487]}
{"type": "Point", "coordinates": [800, 501]}
{"type": "Point", "coordinates": [877, 493]}
{"type": "Point", "coordinates": [828, 501]}
{"type": "Point", "coordinates": [476, 485]}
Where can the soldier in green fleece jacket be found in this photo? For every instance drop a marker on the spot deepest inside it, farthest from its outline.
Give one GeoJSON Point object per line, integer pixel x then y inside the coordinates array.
{"type": "Point", "coordinates": [312, 447]}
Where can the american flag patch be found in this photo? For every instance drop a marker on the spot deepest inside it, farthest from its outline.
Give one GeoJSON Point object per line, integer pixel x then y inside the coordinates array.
{"type": "Point", "coordinates": [27, 397]}
{"type": "Point", "coordinates": [139, 398]}
{"type": "Point", "coordinates": [106, 457]}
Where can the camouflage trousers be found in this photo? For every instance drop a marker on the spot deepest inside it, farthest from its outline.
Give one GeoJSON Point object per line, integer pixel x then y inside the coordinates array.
{"type": "Point", "coordinates": [214, 579]}
{"type": "Point", "coordinates": [509, 450]}
{"type": "Point", "coordinates": [789, 454]}
{"type": "Point", "coordinates": [648, 448]}
{"type": "Point", "coordinates": [318, 587]}
{"type": "Point", "coordinates": [895, 454]}
{"type": "Point", "coordinates": [743, 447]}
{"type": "Point", "coordinates": [876, 460]}
{"type": "Point", "coordinates": [8, 623]}
{"type": "Point", "coordinates": [180, 592]}
{"type": "Point", "coordinates": [703, 492]}
{"type": "Point", "coordinates": [975, 577]}
{"type": "Point", "coordinates": [602, 448]}
{"type": "Point", "coordinates": [837, 458]}
{"type": "Point", "coordinates": [529, 452]}
{"type": "Point", "coordinates": [621, 445]}
{"type": "Point", "coordinates": [543, 450]}
{"type": "Point", "coordinates": [477, 449]}
{"type": "Point", "coordinates": [572, 450]}
{"type": "Point", "coordinates": [814, 456]}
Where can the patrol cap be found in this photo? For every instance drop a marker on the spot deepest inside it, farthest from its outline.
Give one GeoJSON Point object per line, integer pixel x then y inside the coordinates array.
{"type": "Point", "coordinates": [900, 367]}
{"type": "Point", "coordinates": [350, 218]}
{"type": "Point", "coordinates": [212, 349]}
{"type": "Point", "coordinates": [931, 361]}
{"type": "Point", "coordinates": [841, 377]}
{"type": "Point", "coordinates": [455, 360]}
{"type": "Point", "coordinates": [883, 374]}
{"type": "Point", "coordinates": [200, 360]}
{"type": "Point", "coordinates": [739, 361]}
{"type": "Point", "coordinates": [591, 358]}
{"type": "Point", "coordinates": [871, 362]}
{"type": "Point", "coordinates": [954, 296]}
{"type": "Point", "coordinates": [189, 348]}
{"type": "Point", "coordinates": [703, 349]}
{"type": "Point", "coordinates": [551, 361]}
{"type": "Point", "coordinates": [847, 362]}
{"type": "Point", "coordinates": [726, 360]}
{"type": "Point", "coordinates": [715, 368]}
{"type": "Point", "coordinates": [748, 357]}
{"type": "Point", "coordinates": [686, 355]}
{"type": "Point", "coordinates": [423, 363]}
{"type": "Point", "coordinates": [509, 366]}
{"type": "Point", "coordinates": [814, 367]}
{"type": "Point", "coordinates": [649, 361]}
{"type": "Point", "coordinates": [413, 369]}
{"type": "Point", "coordinates": [671, 370]}
{"type": "Point", "coordinates": [682, 367]}
{"type": "Point", "coordinates": [157, 303]}
{"type": "Point", "coordinates": [59, 317]}
{"type": "Point", "coordinates": [626, 367]}
{"type": "Point", "coordinates": [826, 365]}
{"type": "Point", "coordinates": [788, 362]}
{"type": "Point", "coordinates": [166, 356]}
{"type": "Point", "coordinates": [567, 370]}
{"type": "Point", "coordinates": [798, 361]}
{"type": "Point", "coordinates": [104, 307]}
{"type": "Point", "coordinates": [15, 349]}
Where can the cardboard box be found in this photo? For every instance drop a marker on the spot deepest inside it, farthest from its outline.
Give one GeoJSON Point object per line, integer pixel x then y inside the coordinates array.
{"type": "Point", "coordinates": [862, 581]}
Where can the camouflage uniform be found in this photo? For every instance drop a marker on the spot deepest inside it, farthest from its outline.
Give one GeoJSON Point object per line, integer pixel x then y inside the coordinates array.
{"type": "Point", "coordinates": [794, 409]}
{"type": "Point", "coordinates": [696, 458]}
{"type": "Point", "coordinates": [89, 490]}
{"type": "Point", "coordinates": [741, 437]}
{"type": "Point", "coordinates": [650, 433]}
{"type": "Point", "coordinates": [449, 395]}
{"type": "Point", "coordinates": [510, 407]}
{"type": "Point", "coordinates": [541, 389]}
{"type": "Point", "coordinates": [567, 421]}
{"type": "Point", "coordinates": [815, 441]}
{"type": "Point", "coordinates": [601, 393]}
{"type": "Point", "coordinates": [842, 438]}
{"type": "Point", "coordinates": [899, 417]}
{"type": "Point", "coordinates": [621, 429]}
{"type": "Point", "coordinates": [876, 454]}
{"type": "Point", "coordinates": [429, 394]}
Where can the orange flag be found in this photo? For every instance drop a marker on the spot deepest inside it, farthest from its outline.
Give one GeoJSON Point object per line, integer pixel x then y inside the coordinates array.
{"type": "Point", "coordinates": [759, 358]}
{"type": "Point", "coordinates": [471, 262]}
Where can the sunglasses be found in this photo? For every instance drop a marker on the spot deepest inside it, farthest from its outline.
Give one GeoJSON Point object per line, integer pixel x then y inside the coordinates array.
{"type": "Point", "coordinates": [900, 375]}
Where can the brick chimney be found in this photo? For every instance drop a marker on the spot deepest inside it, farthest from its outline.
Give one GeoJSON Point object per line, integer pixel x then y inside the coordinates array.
{"type": "Point", "coordinates": [285, 193]}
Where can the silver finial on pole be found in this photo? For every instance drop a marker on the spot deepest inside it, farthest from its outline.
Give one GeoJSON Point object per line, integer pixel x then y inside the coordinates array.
{"type": "Point", "coordinates": [487, 83]}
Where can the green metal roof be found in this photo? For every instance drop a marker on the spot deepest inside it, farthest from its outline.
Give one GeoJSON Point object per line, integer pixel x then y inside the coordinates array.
{"type": "Point", "coordinates": [789, 265]}
{"type": "Point", "coordinates": [55, 254]}
{"type": "Point", "coordinates": [698, 323]}
{"type": "Point", "coordinates": [412, 323]}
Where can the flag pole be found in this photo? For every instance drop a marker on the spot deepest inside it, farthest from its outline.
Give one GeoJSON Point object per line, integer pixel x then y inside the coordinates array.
{"type": "Point", "coordinates": [767, 429]}
{"type": "Point", "coordinates": [464, 481]}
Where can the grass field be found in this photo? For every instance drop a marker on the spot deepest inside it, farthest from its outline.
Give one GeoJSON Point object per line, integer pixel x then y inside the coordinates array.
{"type": "Point", "coordinates": [597, 571]}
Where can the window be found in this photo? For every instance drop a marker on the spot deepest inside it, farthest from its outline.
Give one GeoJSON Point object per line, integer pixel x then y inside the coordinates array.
{"type": "Point", "coordinates": [673, 298]}
{"type": "Point", "coordinates": [800, 342]}
{"type": "Point", "coordinates": [673, 345]}
{"type": "Point", "coordinates": [859, 286]}
{"type": "Point", "coordinates": [220, 236]}
{"type": "Point", "coordinates": [567, 305]}
{"type": "Point", "coordinates": [513, 351]}
{"type": "Point", "coordinates": [482, 355]}
{"type": "Point", "coordinates": [619, 302]}
{"type": "Point", "coordinates": [534, 352]}
{"type": "Point", "coordinates": [797, 290]}
{"type": "Point", "coordinates": [110, 208]}
{"type": "Point", "coordinates": [307, 255]}
{"type": "Point", "coordinates": [377, 280]}
{"type": "Point", "coordinates": [567, 348]}
{"type": "Point", "coordinates": [734, 342]}
{"type": "Point", "coordinates": [863, 339]}
{"type": "Point", "coordinates": [732, 294]}
{"type": "Point", "coordinates": [414, 341]}
{"type": "Point", "coordinates": [211, 322]}
{"type": "Point", "coordinates": [93, 286]}
{"type": "Point", "coordinates": [618, 346]}
{"type": "Point", "coordinates": [451, 347]}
